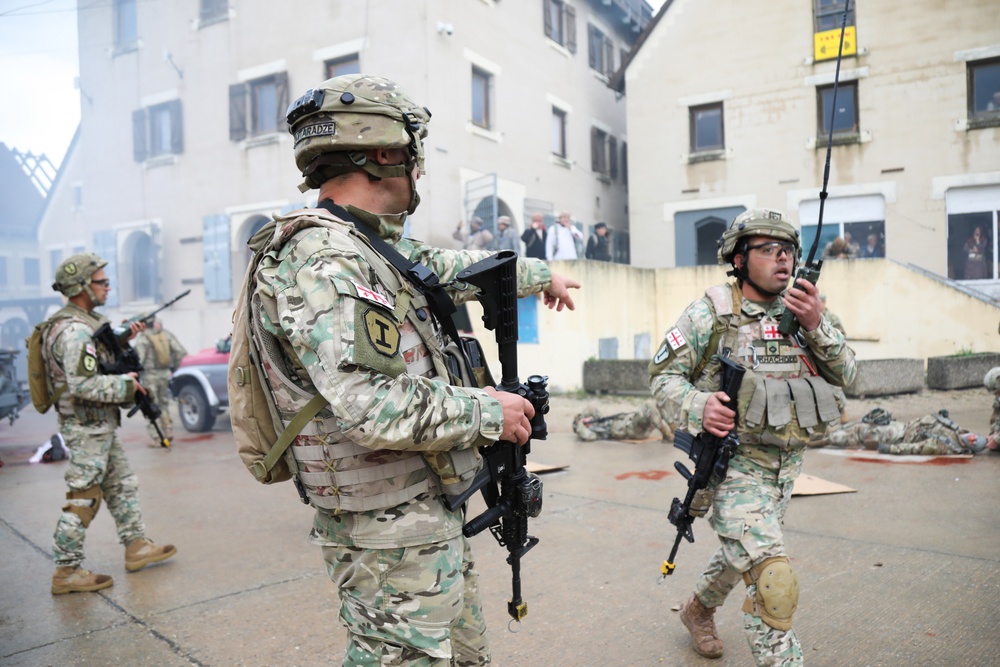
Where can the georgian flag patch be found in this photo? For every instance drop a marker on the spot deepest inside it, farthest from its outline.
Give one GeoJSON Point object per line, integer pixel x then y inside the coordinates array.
{"type": "Point", "coordinates": [371, 295]}
{"type": "Point", "coordinates": [90, 349]}
{"type": "Point", "coordinates": [675, 339]}
{"type": "Point", "coordinates": [770, 331]}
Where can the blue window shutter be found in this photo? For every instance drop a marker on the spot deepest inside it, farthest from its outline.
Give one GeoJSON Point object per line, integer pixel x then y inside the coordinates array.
{"type": "Point", "coordinates": [106, 248]}
{"type": "Point", "coordinates": [216, 255]}
{"type": "Point", "coordinates": [527, 320]}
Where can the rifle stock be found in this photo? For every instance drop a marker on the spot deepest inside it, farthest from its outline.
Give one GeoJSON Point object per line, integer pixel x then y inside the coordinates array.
{"type": "Point", "coordinates": [710, 455]}
{"type": "Point", "coordinates": [512, 494]}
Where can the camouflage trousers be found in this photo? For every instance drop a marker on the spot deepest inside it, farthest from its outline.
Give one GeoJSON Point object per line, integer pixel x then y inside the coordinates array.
{"type": "Point", "coordinates": [414, 606]}
{"type": "Point", "coordinates": [97, 459]}
{"type": "Point", "coordinates": [747, 512]}
{"type": "Point", "coordinates": [157, 384]}
{"type": "Point", "coordinates": [590, 425]}
{"type": "Point", "coordinates": [897, 438]}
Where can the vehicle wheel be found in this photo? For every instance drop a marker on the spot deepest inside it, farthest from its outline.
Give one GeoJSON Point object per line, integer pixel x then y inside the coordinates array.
{"type": "Point", "coordinates": [195, 412]}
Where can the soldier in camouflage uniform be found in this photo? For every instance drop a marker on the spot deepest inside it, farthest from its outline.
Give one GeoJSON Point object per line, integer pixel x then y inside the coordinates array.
{"type": "Point", "coordinates": [934, 434]}
{"type": "Point", "coordinates": [590, 425]}
{"type": "Point", "coordinates": [88, 404]}
{"type": "Point", "coordinates": [992, 383]}
{"type": "Point", "coordinates": [786, 395]}
{"type": "Point", "coordinates": [333, 317]}
{"type": "Point", "coordinates": [160, 353]}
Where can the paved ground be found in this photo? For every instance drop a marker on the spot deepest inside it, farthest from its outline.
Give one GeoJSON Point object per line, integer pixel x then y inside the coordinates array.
{"type": "Point", "coordinates": [904, 572]}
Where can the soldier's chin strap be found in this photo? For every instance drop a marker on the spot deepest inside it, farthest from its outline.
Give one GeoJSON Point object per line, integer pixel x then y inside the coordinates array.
{"type": "Point", "coordinates": [741, 274]}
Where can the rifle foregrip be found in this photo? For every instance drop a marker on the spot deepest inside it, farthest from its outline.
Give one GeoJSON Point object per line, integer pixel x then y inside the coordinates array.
{"type": "Point", "coordinates": [485, 520]}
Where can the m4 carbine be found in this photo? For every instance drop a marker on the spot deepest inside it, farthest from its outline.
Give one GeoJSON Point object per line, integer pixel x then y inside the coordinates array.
{"type": "Point", "coordinates": [512, 494]}
{"type": "Point", "coordinates": [126, 360]}
{"type": "Point", "coordinates": [711, 455]}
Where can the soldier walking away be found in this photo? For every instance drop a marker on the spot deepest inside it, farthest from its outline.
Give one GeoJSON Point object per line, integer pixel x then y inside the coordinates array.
{"type": "Point", "coordinates": [88, 405]}
{"type": "Point", "coordinates": [786, 394]}
{"type": "Point", "coordinates": [160, 353]}
{"type": "Point", "coordinates": [332, 316]}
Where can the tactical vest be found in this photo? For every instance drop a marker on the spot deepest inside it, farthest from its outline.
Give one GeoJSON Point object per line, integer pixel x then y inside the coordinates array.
{"type": "Point", "coordinates": [337, 474]}
{"type": "Point", "coordinates": [67, 406]}
{"type": "Point", "coordinates": [783, 399]}
{"type": "Point", "coordinates": [160, 346]}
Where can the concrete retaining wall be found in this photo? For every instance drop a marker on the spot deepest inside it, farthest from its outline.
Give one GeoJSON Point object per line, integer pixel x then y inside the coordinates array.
{"type": "Point", "coordinates": [616, 376]}
{"type": "Point", "coordinates": [883, 377]}
{"type": "Point", "coordinates": [960, 372]}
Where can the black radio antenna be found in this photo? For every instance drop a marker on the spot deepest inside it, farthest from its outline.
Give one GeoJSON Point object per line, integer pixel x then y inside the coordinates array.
{"type": "Point", "coordinates": [789, 325]}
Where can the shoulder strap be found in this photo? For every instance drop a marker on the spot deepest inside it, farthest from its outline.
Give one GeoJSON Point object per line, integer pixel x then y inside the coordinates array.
{"type": "Point", "coordinates": [420, 276]}
{"type": "Point", "coordinates": [727, 312]}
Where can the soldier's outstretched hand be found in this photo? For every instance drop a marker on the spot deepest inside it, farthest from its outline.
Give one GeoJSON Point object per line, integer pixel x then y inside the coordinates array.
{"type": "Point", "coordinates": [557, 295]}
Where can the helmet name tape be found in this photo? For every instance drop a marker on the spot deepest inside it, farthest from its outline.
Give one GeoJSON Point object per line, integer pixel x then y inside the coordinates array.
{"type": "Point", "coordinates": [328, 128]}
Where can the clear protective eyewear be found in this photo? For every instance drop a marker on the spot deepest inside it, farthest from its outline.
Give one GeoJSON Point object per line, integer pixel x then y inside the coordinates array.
{"type": "Point", "coordinates": [774, 248]}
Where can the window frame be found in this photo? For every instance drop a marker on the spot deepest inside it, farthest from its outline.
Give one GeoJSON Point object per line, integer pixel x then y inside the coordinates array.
{"type": "Point", "coordinates": [559, 23]}
{"type": "Point", "coordinates": [826, 10]}
{"type": "Point", "coordinates": [146, 137]}
{"type": "Point", "coordinates": [243, 111]}
{"type": "Point", "coordinates": [485, 103]}
{"type": "Point", "coordinates": [600, 51]}
{"type": "Point", "coordinates": [559, 122]}
{"type": "Point", "coordinates": [125, 27]}
{"type": "Point", "coordinates": [330, 66]}
{"type": "Point", "coordinates": [603, 153]}
{"type": "Point", "coordinates": [839, 136]}
{"type": "Point", "coordinates": [211, 11]}
{"type": "Point", "coordinates": [985, 117]}
{"type": "Point", "coordinates": [693, 112]}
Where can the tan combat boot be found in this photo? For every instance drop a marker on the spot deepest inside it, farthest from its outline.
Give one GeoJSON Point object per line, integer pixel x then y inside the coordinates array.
{"type": "Point", "coordinates": [75, 579]}
{"type": "Point", "coordinates": [141, 552]}
{"type": "Point", "coordinates": [697, 618]}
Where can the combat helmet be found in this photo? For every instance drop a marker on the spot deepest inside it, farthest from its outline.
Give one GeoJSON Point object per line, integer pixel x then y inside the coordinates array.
{"type": "Point", "coordinates": [336, 122]}
{"type": "Point", "coordinates": [992, 379]}
{"type": "Point", "coordinates": [756, 222]}
{"type": "Point", "coordinates": [74, 273]}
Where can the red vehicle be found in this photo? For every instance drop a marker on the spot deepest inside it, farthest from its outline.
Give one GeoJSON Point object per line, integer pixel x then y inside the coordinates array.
{"type": "Point", "coordinates": [199, 385]}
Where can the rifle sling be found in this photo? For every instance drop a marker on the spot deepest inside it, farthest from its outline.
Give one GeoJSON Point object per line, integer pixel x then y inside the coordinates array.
{"type": "Point", "coordinates": [421, 277]}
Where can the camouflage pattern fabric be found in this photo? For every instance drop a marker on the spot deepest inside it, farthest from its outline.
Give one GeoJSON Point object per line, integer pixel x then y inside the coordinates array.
{"type": "Point", "coordinates": [89, 414]}
{"type": "Point", "coordinates": [590, 425]}
{"type": "Point", "coordinates": [426, 614]}
{"type": "Point", "coordinates": [749, 505]}
{"type": "Point", "coordinates": [341, 333]}
{"type": "Point", "coordinates": [154, 348]}
{"type": "Point", "coordinates": [927, 436]}
{"type": "Point", "coordinates": [97, 459]}
{"type": "Point", "coordinates": [995, 420]}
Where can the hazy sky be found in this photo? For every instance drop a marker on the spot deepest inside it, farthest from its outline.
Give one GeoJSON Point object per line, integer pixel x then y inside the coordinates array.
{"type": "Point", "coordinates": [39, 106]}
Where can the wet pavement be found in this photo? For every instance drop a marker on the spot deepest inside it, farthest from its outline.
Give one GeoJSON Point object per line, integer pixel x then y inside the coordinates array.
{"type": "Point", "coordinates": [906, 571]}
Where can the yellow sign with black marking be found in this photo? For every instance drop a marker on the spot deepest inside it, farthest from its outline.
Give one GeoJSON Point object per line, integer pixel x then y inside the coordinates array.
{"type": "Point", "coordinates": [382, 332]}
{"type": "Point", "coordinates": [826, 44]}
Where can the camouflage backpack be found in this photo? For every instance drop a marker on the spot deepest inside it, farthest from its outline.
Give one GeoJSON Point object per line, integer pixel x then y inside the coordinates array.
{"type": "Point", "coordinates": [261, 440]}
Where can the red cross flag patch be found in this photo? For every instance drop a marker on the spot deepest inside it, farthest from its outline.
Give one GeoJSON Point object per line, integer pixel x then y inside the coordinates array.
{"type": "Point", "coordinates": [371, 295]}
{"type": "Point", "coordinates": [770, 331]}
{"type": "Point", "coordinates": [675, 339]}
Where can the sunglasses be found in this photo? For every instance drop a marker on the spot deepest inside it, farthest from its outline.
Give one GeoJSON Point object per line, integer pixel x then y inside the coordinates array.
{"type": "Point", "coordinates": [104, 282]}
{"type": "Point", "coordinates": [774, 248]}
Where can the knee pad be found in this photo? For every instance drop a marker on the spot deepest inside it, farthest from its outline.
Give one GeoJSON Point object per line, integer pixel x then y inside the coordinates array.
{"type": "Point", "coordinates": [84, 503]}
{"type": "Point", "coordinates": [777, 592]}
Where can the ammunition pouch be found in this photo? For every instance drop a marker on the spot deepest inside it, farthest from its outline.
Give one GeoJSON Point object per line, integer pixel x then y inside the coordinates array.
{"type": "Point", "coordinates": [84, 503]}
